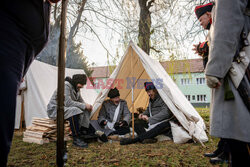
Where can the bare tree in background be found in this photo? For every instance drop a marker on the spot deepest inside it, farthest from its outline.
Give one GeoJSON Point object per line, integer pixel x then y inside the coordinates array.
{"type": "Point", "coordinates": [145, 25]}
{"type": "Point", "coordinates": [160, 27]}
{"type": "Point", "coordinates": [75, 56]}
{"type": "Point", "coordinates": [77, 16]}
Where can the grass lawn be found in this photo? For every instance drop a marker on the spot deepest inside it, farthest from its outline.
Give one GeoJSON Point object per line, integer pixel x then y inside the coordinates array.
{"type": "Point", "coordinates": [164, 153]}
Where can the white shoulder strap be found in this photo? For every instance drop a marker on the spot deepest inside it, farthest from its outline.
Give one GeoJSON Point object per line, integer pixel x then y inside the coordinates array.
{"type": "Point", "coordinates": [149, 109]}
{"type": "Point", "coordinates": [110, 125]}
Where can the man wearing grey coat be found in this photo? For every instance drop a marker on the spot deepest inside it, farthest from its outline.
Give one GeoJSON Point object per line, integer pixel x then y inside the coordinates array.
{"type": "Point", "coordinates": [76, 110]}
{"type": "Point", "coordinates": [203, 13]}
{"type": "Point", "coordinates": [114, 116]}
{"type": "Point", "coordinates": [230, 118]}
{"type": "Point", "coordinates": [157, 116]}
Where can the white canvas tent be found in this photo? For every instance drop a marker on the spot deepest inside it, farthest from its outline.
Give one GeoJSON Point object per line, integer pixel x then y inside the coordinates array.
{"type": "Point", "coordinates": [138, 65]}
{"type": "Point", "coordinates": [41, 81]}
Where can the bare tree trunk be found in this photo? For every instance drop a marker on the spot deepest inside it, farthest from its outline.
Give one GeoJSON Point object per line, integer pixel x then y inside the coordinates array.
{"type": "Point", "coordinates": [145, 25]}
{"type": "Point", "coordinates": [73, 29]}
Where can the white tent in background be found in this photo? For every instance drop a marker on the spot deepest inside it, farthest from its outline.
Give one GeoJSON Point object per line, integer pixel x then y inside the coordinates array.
{"type": "Point", "coordinates": [137, 65]}
{"type": "Point", "coordinates": [41, 81]}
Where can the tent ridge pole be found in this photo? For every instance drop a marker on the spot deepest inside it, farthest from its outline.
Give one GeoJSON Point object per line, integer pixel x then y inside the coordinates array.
{"type": "Point", "coordinates": [132, 96]}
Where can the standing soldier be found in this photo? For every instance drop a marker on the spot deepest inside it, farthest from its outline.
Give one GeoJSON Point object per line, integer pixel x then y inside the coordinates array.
{"type": "Point", "coordinates": [230, 116]}
{"type": "Point", "coordinates": [24, 32]}
{"type": "Point", "coordinates": [203, 13]}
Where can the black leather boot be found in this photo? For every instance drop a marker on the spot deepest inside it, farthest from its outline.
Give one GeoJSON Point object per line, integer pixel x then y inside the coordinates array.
{"type": "Point", "coordinates": [126, 141]}
{"type": "Point", "coordinates": [149, 141]}
{"type": "Point", "coordinates": [213, 154]}
{"type": "Point", "coordinates": [79, 143]}
{"type": "Point", "coordinates": [65, 155]}
{"type": "Point", "coordinates": [101, 136]}
{"type": "Point", "coordinates": [220, 159]}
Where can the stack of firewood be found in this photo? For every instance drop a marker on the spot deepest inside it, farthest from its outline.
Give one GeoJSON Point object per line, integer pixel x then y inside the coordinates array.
{"type": "Point", "coordinates": [43, 130]}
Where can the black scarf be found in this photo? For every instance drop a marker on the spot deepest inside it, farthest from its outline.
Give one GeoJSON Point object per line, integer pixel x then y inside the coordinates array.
{"type": "Point", "coordinates": [208, 26]}
{"type": "Point", "coordinates": [74, 84]}
{"type": "Point", "coordinates": [156, 97]}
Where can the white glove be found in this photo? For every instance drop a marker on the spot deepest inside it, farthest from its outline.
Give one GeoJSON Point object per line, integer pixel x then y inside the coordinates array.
{"type": "Point", "coordinates": [212, 82]}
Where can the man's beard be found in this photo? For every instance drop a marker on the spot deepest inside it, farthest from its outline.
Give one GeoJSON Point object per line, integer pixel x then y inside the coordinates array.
{"type": "Point", "coordinates": [208, 26]}
{"type": "Point", "coordinates": [152, 97]}
{"type": "Point", "coordinates": [116, 102]}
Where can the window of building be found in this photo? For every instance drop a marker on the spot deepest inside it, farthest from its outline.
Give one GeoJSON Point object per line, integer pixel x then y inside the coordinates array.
{"type": "Point", "coordinates": [185, 81]}
{"type": "Point", "coordinates": [200, 81]}
{"type": "Point", "coordinates": [201, 98]}
{"type": "Point", "coordinates": [193, 97]}
{"type": "Point", "coordinates": [188, 97]}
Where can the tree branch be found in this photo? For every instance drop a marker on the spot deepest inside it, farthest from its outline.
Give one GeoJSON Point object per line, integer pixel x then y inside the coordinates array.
{"type": "Point", "coordinates": [150, 4]}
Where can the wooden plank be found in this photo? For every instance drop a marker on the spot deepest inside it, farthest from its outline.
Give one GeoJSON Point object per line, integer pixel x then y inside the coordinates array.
{"type": "Point", "coordinates": [43, 124]}
{"type": "Point", "coordinates": [34, 140]}
{"type": "Point", "coordinates": [38, 128]}
{"type": "Point", "coordinates": [35, 132]}
{"type": "Point", "coordinates": [37, 118]}
{"type": "Point", "coordinates": [44, 120]}
{"type": "Point", "coordinates": [51, 131]}
{"type": "Point", "coordinates": [48, 121]}
{"type": "Point", "coordinates": [37, 136]}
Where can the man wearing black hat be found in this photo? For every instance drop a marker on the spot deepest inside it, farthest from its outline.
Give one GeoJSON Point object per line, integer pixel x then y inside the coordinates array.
{"type": "Point", "coordinates": [203, 13]}
{"type": "Point", "coordinates": [76, 110]}
{"type": "Point", "coordinates": [114, 115]}
{"type": "Point", "coordinates": [157, 116]}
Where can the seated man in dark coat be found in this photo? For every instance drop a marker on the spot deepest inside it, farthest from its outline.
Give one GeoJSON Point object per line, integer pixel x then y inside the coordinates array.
{"type": "Point", "coordinates": [114, 115]}
{"type": "Point", "coordinates": [157, 116]}
{"type": "Point", "coordinates": [75, 109]}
